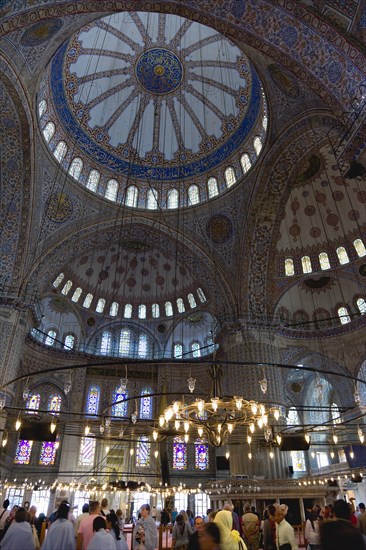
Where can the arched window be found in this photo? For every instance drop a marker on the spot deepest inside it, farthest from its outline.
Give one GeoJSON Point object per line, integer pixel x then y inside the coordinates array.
{"type": "Point", "coordinates": [146, 404]}
{"type": "Point", "coordinates": [113, 309]}
{"type": "Point", "coordinates": [67, 288]}
{"type": "Point", "coordinates": [58, 280]}
{"type": "Point", "coordinates": [128, 311]}
{"type": "Point", "coordinates": [245, 162]}
{"type": "Point", "coordinates": [212, 187]}
{"type": "Point", "coordinates": [60, 151]}
{"type": "Point", "coordinates": [306, 264]}
{"type": "Point", "coordinates": [324, 261]}
{"type": "Point", "coordinates": [33, 403]}
{"type": "Point", "coordinates": [23, 452]}
{"type": "Point", "coordinates": [132, 194]}
{"type": "Point", "coordinates": [119, 409]}
{"type": "Point", "coordinates": [360, 248]}
{"type": "Point", "coordinates": [209, 342]}
{"type": "Point", "coordinates": [179, 454]}
{"type": "Point", "coordinates": [178, 351]}
{"type": "Point", "coordinates": [54, 403]}
{"type": "Point", "coordinates": [335, 413]}
{"type": "Point", "coordinates": [48, 131]}
{"type": "Point", "coordinates": [344, 315]}
{"type": "Point", "coordinates": [87, 451]}
{"type": "Point", "coordinates": [361, 304]}
{"type": "Point", "coordinates": [124, 342]}
{"type": "Point", "coordinates": [142, 349]}
{"type": "Point", "coordinates": [106, 343]}
{"type": "Point", "coordinates": [168, 309]}
{"type": "Point", "coordinates": [193, 194]}
{"type": "Point", "coordinates": [143, 451]}
{"type": "Point", "coordinates": [230, 177]}
{"type": "Point", "coordinates": [201, 455]}
{"type": "Point", "coordinates": [69, 342]}
{"type": "Point", "coordinates": [48, 453]}
{"type": "Point", "coordinates": [142, 311]}
{"type": "Point", "coordinates": [201, 295]}
{"type": "Point", "coordinates": [100, 305]}
{"type": "Point", "coordinates": [42, 108]}
{"type": "Point", "coordinates": [93, 180]}
{"type": "Point", "coordinates": [77, 293]}
{"type": "Point", "coordinates": [111, 190]}
{"type": "Point", "coordinates": [155, 310]}
{"type": "Point", "coordinates": [191, 300]}
{"type": "Point", "coordinates": [152, 199]}
{"type": "Point", "coordinates": [289, 267]}
{"type": "Point", "coordinates": [92, 400]}
{"type": "Point", "coordinates": [196, 349]}
{"type": "Point", "coordinates": [180, 305]}
{"type": "Point", "coordinates": [50, 338]}
{"type": "Point", "coordinates": [88, 300]}
{"type": "Point", "coordinates": [265, 122]}
{"type": "Point", "coordinates": [76, 167]}
{"type": "Point", "coordinates": [173, 198]}
{"type": "Point", "coordinates": [257, 143]}
{"type": "Point", "coordinates": [297, 457]}
{"type": "Point", "coordinates": [342, 255]}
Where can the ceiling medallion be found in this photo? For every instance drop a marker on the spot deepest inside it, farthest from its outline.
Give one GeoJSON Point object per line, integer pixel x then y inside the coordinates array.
{"type": "Point", "coordinates": [159, 71]}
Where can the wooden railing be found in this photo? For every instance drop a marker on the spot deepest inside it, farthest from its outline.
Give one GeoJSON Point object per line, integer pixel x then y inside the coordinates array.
{"type": "Point", "coordinates": [165, 537]}
{"type": "Point", "coordinates": [300, 534]}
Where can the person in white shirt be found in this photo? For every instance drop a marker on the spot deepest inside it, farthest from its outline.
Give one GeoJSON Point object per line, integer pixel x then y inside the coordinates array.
{"type": "Point", "coordinates": [145, 532]}
{"type": "Point", "coordinates": [285, 535]}
{"type": "Point", "coordinates": [312, 535]}
{"type": "Point", "coordinates": [101, 539]}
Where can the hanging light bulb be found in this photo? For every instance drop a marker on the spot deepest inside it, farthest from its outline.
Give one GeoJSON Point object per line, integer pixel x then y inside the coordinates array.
{"type": "Point", "coordinates": [249, 439]}
{"type": "Point", "coordinates": [230, 427]}
{"type": "Point", "coordinates": [186, 438]}
{"type": "Point", "coordinates": [134, 417]}
{"type": "Point", "coordinates": [260, 423]}
{"type": "Point", "coordinates": [87, 430]}
{"type": "Point", "coordinates": [312, 454]}
{"type": "Point", "coordinates": [263, 385]}
{"type": "Point", "coordinates": [227, 455]}
{"type": "Point", "coordinates": [252, 427]}
{"type": "Point", "coordinates": [5, 439]}
{"type": "Point", "coordinates": [156, 454]}
{"type": "Point", "coordinates": [191, 384]}
{"type": "Point", "coordinates": [161, 421]}
{"type": "Point", "coordinates": [351, 453]}
{"type": "Point", "coordinates": [132, 451]}
{"type": "Point", "coordinates": [335, 438]}
{"type": "Point", "coordinates": [57, 444]}
{"type": "Point", "coordinates": [155, 435]}
{"type": "Point", "coordinates": [250, 455]}
{"type": "Point", "coordinates": [52, 426]}
{"type": "Point", "coordinates": [332, 454]}
{"type": "Point", "coordinates": [254, 408]}
{"type": "Point", "coordinates": [176, 424]}
{"type": "Point", "coordinates": [219, 426]}
{"type": "Point", "coordinates": [200, 431]}
{"type": "Point", "coordinates": [186, 426]}
{"type": "Point", "coordinates": [18, 423]}
{"type": "Point", "coordinates": [276, 414]}
{"type": "Point", "coordinates": [107, 449]}
{"type": "Point", "coordinates": [307, 438]}
{"type": "Point", "coordinates": [215, 403]}
{"type": "Point", "coordinates": [238, 402]}
{"type": "Point", "coordinates": [200, 405]}
{"type": "Point", "coordinates": [107, 422]}
{"type": "Point", "coordinates": [271, 454]}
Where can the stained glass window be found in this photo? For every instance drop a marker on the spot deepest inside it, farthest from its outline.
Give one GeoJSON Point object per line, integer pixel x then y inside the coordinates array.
{"type": "Point", "coordinates": [128, 311]}
{"type": "Point", "coordinates": [143, 452]}
{"type": "Point", "coordinates": [113, 309]}
{"type": "Point", "coordinates": [289, 267]}
{"type": "Point", "coordinates": [66, 288]}
{"type": "Point", "coordinates": [87, 451]}
{"type": "Point", "coordinates": [54, 403]}
{"type": "Point", "coordinates": [173, 198]}
{"type": "Point", "coordinates": [361, 304]}
{"type": "Point", "coordinates": [191, 300]}
{"type": "Point", "coordinates": [124, 342]}
{"type": "Point", "coordinates": [342, 255]}
{"type": "Point", "coordinates": [179, 454]}
{"type": "Point", "coordinates": [152, 199]}
{"type": "Point", "coordinates": [344, 315]}
{"type": "Point", "coordinates": [75, 297]}
{"type": "Point", "coordinates": [193, 194]}
{"type": "Point", "coordinates": [142, 349]}
{"type": "Point", "coordinates": [212, 187]}
{"type": "Point", "coordinates": [111, 190]}
{"type": "Point", "coordinates": [48, 453]}
{"type": "Point", "coordinates": [168, 309]}
{"type": "Point", "coordinates": [146, 404]}
{"type": "Point", "coordinates": [50, 338]}
{"type": "Point", "coordinates": [60, 151]}
{"type": "Point", "coordinates": [360, 248]}
{"type": "Point", "coordinates": [178, 351]}
{"type": "Point", "coordinates": [76, 167]}
{"type": "Point", "coordinates": [335, 413]}
{"type": "Point", "coordinates": [69, 341]}
{"type": "Point", "coordinates": [306, 264]}
{"type": "Point", "coordinates": [142, 311]}
{"type": "Point", "coordinates": [201, 295]}
{"type": "Point", "coordinates": [33, 403]}
{"type": "Point", "coordinates": [23, 452]}
{"type": "Point", "coordinates": [100, 305]}
{"type": "Point", "coordinates": [201, 455]}
{"type": "Point", "coordinates": [58, 280]}
{"type": "Point", "coordinates": [42, 107]}
{"type": "Point", "coordinates": [196, 349]}
{"type": "Point", "coordinates": [257, 145]}
{"type": "Point", "coordinates": [119, 409]}
{"type": "Point", "coordinates": [92, 400]}
{"type": "Point", "coordinates": [48, 131]}
{"type": "Point", "coordinates": [245, 162]}
{"type": "Point", "coordinates": [324, 261]}
{"type": "Point", "coordinates": [298, 457]}
{"type": "Point", "coordinates": [93, 180]}
{"type": "Point", "coordinates": [180, 305]}
{"type": "Point", "coordinates": [88, 300]}
{"type": "Point", "coordinates": [230, 177]}
{"type": "Point", "coordinates": [265, 122]}
{"type": "Point", "coordinates": [131, 196]}
{"type": "Point", "coordinates": [105, 345]}
{"type": "Point", "coordinates": [155, 310]}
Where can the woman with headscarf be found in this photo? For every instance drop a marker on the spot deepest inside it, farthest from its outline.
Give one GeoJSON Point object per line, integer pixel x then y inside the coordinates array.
{"type": "Point", "coordinates": [61, 534]}
{"type": "Point", "coordinates": [229, 540]}
{"type": "Point", "coordinates": [182, 530]}
{"type": "Point", "coordinates": [112, 526]}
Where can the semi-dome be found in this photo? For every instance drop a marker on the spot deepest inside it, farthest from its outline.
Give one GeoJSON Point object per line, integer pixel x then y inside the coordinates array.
{"type": "Point", "coordinates": [153, 110]}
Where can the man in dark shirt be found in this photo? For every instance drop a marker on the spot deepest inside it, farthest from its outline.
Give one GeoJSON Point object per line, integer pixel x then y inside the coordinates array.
{"type": "Point", "coordinates": [194, 542]}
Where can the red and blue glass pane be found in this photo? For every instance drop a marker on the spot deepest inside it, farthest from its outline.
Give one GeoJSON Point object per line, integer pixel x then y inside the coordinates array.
{"type": "Point", "coordinates": [179, 454]}
{"type": "Point", "coordinates": [33, 403]}
{"type": "Point", "coordinates": [48, 453]}
{"type": "Point", "coordinates": [119, 409]}
{"type": "Point", "coordinates": [143, 453]}
{"type": "Point", "coordinates": [145, 404]}
{"type": "Point", "coordinates": [201, 456]}
{"type": "Point", "coordinates": [23, 452]}
{"type": "Point", "coordinates": [92, 402]}
{"type": "Point", "coordinates": [54, 403]}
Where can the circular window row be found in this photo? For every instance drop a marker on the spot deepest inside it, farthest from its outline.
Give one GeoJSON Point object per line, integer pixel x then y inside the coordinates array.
{"type": "Point", "coordinates": [156, 311]}
{"type": "Point", "coordinates": [150, 199]}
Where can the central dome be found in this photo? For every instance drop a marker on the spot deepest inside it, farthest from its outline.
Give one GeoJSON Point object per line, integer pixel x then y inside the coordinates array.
{"type": "Point", "coordinates": [155, 101]}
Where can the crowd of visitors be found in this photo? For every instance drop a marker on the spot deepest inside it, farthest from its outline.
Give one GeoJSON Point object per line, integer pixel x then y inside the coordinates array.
{"type": "Point", "coordinates": [337, 526]}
